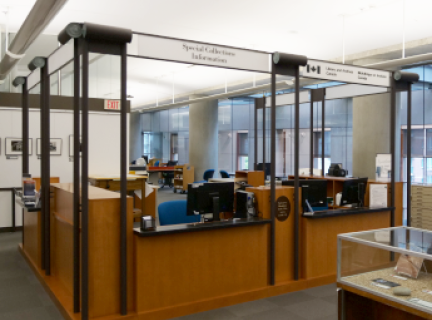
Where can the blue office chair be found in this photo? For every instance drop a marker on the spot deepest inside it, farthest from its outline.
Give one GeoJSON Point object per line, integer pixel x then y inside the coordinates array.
{"type": "Point", "coordinates": [174, 212]}
{"type": "Point", "coordinates": [208, 174]}
{"type": "Point", "coordinates": [224, 174]}
{"type": "Point", "coordinates": [156, 164]}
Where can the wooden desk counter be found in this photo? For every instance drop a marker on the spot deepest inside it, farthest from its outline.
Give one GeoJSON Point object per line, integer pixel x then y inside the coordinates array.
{"type": "Point", "coordinates": [104, 249]}
{"type": "Point", "coordinates": [179, 273]}
{"type": "Point", "coordinates": [178, 270]}
{"type": "Point", "coordinates": [319, 237]}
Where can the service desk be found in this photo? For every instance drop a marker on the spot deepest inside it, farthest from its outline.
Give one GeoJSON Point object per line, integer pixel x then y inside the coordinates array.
{"type": "Point", "coordinates": [188, 268]}
{"type": "Point", "coordinates": [319, 236]}
{"type": "Point", "coordinates": [183, 269]}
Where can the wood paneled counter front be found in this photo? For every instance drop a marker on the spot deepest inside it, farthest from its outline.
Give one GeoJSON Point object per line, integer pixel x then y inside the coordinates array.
{"type": "Point", "coordinates": [104, 249]}
{"type": "Point", "coordinates": [179, 270]}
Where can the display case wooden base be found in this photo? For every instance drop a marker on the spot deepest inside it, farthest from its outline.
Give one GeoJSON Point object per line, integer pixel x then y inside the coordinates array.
{"type": "Point", "coordinates": [356, 304]}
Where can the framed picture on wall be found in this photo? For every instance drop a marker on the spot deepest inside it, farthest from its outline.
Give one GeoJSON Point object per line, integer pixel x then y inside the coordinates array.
{"type": "Point", "coordinates": [71, 145]}
{"type": "Point", "coordinates": [55, 146]}
{"type": "Point", "coordinates": [14, 146]}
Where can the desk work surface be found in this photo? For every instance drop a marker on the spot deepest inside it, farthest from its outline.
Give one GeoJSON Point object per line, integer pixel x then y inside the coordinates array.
{"type": "Point", "coordinates": [344, 212]}
{"type": "Point", "coordinates": [93, 192]}
{"type": "Point", "coordinates": [192, 227]}
{"type": "Point", "coordinates": [332, 178]}
{"type": "Point", "coordinates": [28, 208]}
{"type": "Point", "coordinates": [221, 180]}
{"type": "Point", "coordinates": [160, 169]}
{"type": "Point", "coordinates": [115, 177]}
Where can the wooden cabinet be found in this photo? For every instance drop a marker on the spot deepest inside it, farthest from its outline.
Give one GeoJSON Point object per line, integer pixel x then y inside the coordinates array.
{"type": "Point", "coordinates": [183, 175]}
{"type": "Point", "coordinates": [254, 178]}
{"type": "Point", "coordinates": [357, 304]}
{"type": "Point", "coordinates": [421, 206]}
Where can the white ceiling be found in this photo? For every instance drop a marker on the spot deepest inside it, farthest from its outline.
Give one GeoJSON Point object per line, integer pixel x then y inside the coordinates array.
{"type": "Point", "coordinates": [314, 28]}
{"type": "Point", "coordinates": [151, 81]}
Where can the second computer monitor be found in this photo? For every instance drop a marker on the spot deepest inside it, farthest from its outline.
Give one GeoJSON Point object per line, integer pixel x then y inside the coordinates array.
{"type": "Point", "coordinates": [267, 171]}
{"type": "Point", "coordinates": [313, 190]}
{"type": "Point", "coordinates": [200, 197]}
{"type": "Point", "coordinates": [353, 192]}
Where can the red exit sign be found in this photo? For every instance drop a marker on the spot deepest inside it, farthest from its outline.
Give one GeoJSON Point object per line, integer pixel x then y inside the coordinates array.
{"type": "Point", "coordinates": [112, 105]}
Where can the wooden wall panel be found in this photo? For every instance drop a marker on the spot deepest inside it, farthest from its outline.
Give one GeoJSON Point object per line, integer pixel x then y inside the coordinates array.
{"type": "Point", "coordinates": [184, 268]}
{"type": "Point", "coordinates": [320, 239]}
{"type": "Point", "coordinates": [284, 231]}
{"type": "Point", "coordinates": [32, 236]}
{"type": "Point", "coordinates": [104, 258]}
{"type": "Point", "coordinates": [62, 252]}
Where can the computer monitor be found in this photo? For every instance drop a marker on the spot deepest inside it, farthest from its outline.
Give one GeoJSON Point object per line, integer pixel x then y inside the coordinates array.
{"type": "Point", "coordinates": [353, 192]}
{"type": "Point", "coordinates": [210, 198]}
{"type": "Point", "coordinates": [266, 170]}
{"type": "Point", "coordinates": [314, 191]}
{"type": "Point", "coordinates": [172, 163]}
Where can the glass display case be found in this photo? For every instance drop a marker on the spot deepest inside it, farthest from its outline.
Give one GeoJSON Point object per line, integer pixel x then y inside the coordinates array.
{"type": "Point", "coordinates": [391, 263]}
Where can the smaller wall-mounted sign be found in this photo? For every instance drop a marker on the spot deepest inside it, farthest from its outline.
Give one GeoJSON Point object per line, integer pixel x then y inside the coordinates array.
{"type": "Point", "coordinates": [283, 208]}
{"type": "Point", "coordinates": [112, 105]}
{"type": "Point", "coordinates": [346, 73]}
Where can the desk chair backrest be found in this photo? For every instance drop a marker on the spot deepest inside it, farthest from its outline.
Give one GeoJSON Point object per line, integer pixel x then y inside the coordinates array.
{"type": "Point", "coordinates": [224, 174]}
{"type": "Point", "coordinates": [156, 164]}
{"type": "Point", "coordinates": [174, 212]}
{"type": "Point", "coordinates": [208, 174]}
{"type": "Point", "coordinates": [171, 163]}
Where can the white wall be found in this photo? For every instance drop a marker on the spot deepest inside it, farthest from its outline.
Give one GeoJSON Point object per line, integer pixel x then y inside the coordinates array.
{"type": "Point", "coordinates": [104, 150]}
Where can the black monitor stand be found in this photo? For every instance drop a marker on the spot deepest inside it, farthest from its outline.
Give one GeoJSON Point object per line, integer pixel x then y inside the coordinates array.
{"type": "Point", "coordinates": [216, 209]}
{"type": "Point", "coordinates": [361, 193]}
{"type": "Point", "coordinates": [360, 196]}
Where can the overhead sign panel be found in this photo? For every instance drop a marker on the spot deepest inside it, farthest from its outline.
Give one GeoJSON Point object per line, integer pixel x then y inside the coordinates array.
{"type": "Point", "coordinates": [61, 57]}
{"type": "Point", "coordinates": [346, 73]}
{"type": "Point", "coordinates": [201, 53]}
{"type": "Point", "coordinates": [288, 99]}
{"type": "Point", "coordinates": [33, 79]}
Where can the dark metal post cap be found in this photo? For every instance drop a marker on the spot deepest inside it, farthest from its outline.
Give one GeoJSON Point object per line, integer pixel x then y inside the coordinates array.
{"type": "Point", "coordinates": [406, 76]}
{"type": "Point", "coordinates": [37, 62]}
{"type": "Point", "coordinates": [280, 58]}
{"type": "Point", "coordinates": [72, 30]}
{"type": "Point", "coordinates": [19, 81]}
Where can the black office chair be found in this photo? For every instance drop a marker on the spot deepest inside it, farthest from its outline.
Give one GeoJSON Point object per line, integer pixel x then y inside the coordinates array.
{"type": "Point", "coordinates": [169, 176]}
